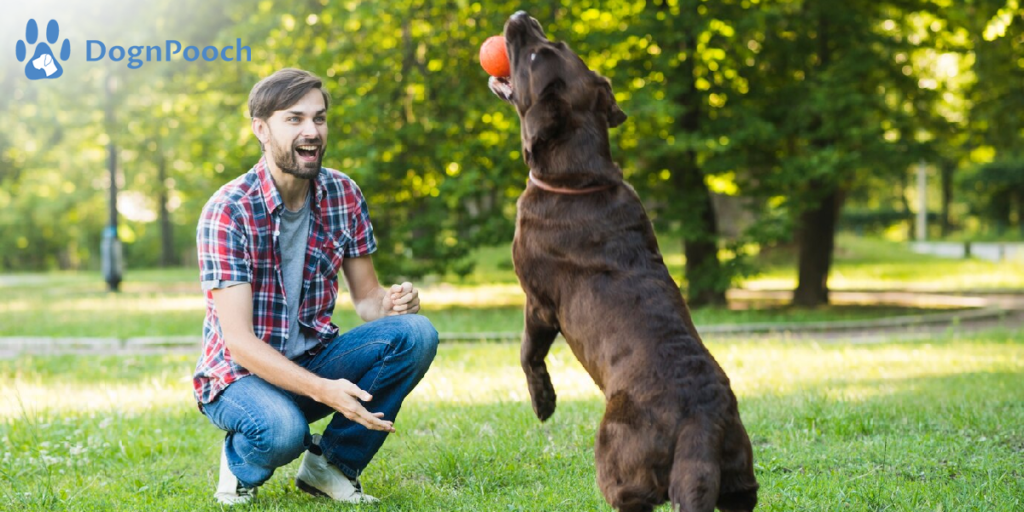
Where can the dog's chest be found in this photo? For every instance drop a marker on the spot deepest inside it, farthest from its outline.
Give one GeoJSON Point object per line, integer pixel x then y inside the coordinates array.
{"type": "Point", "coordinates": [536, 269]}
{"type": "Point", "coordinates": [561, 243]}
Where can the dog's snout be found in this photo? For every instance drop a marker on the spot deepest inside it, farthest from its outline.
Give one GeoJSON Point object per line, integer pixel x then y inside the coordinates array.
{"type": "Point", "coordinates": [522, 25]}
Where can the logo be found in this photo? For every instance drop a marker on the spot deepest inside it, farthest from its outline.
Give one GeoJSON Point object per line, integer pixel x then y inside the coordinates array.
{"type": "Point", "coordinates": [42, 63]}
{"type": "Point", "coordinates": [191, 53]}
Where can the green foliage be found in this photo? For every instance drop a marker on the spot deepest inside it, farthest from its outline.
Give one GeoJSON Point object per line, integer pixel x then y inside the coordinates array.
{"type": "Point", "coordinates": [872, 221]}
{"type": "Point", "coordinates": [773, 103]}
{"type": "Point", "coordinates": [997, 190]}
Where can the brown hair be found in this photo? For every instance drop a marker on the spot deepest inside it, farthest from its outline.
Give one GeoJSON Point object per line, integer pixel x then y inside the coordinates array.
{"type": "Point", "coordinates": [281, 90]}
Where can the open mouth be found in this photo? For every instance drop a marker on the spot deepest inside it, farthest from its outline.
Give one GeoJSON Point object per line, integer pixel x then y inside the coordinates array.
{"type": "Point", "coordinates": [502, 87]}
{"type": "Point", "coordinates": [308, 152]}
{"type": "Point", "coordinates": [520, 32]}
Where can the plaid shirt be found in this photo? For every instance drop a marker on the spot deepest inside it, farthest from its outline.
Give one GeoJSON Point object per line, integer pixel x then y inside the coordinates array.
{"type": "Point", "coordinates": [237, 240]}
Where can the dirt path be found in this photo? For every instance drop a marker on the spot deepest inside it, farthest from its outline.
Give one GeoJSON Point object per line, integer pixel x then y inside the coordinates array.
{"type": "Point", "coordinates": [987, 311]}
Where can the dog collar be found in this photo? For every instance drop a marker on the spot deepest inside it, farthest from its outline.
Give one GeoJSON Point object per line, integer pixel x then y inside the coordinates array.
{"type": "Point", "coordinates": [571, 191]}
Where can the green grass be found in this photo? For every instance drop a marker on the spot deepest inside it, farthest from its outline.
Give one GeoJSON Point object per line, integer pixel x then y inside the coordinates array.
{"type": "Point", "coordinates": [167, 303]}
{"type": "Point", "coordinates": [869, 263]}
{"type": "Point", "coordinates": [860, 263]}
{"type": "Point", "coordinates": [170, 303]}
{"type": "Point", "coordinates": [895, 427]}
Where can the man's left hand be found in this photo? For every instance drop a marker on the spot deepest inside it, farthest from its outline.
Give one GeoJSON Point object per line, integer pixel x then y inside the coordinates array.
{"type": "Point", "coordinates": [401, 299]}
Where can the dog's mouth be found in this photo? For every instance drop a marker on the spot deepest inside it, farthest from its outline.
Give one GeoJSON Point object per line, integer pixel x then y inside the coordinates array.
{"type": "Point", "coordinates": [521, 31]}
{"type": "Point", "coordinates": [501, 87]}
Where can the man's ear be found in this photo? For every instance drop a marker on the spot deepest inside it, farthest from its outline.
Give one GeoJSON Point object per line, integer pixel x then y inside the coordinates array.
{"type": "Point", "coordinates": [548, 116]}
{"type": "Point", "coordinates": [260, 130]}
{"type": "Point", "coordinates": [606, 102]}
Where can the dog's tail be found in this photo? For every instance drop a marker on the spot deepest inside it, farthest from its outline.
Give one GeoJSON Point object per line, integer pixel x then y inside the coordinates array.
{"type": "Point", "coordinates": [696, 474]}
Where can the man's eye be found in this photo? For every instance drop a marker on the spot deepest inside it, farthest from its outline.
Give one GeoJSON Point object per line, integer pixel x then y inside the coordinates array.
{"type": "Point", "coordinates": [293, 118]}
{"type": "Point", "coordinates": [320, 119]}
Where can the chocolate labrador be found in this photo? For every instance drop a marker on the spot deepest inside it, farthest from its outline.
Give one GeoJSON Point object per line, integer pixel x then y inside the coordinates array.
{"type": "Point", "coordinates": [587, 257]}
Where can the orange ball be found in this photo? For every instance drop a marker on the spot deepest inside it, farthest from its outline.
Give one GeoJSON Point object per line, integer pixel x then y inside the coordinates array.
{"type": "Point", "coordinates": [493, 57]}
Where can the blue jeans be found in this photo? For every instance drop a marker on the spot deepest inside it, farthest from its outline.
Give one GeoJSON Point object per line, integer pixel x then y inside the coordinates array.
{"type": "Point", "coordinates": [268, 427]}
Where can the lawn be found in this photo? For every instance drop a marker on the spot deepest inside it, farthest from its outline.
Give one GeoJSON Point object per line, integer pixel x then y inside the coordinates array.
{"type": "Point", "coordinates": [869, 263]}
{"type": "Point", "coordinates": [169, 302]}
{"type": "Point", "coordinates": [897, 426]}
{"type": "Point", "coordinates": [859, 263]}
{"type": "Point", "coordinates": [146, 308]}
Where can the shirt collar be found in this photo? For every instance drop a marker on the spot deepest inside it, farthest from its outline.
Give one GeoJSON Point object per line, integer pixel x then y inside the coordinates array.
{"type": "Point", "coordinates": [273, 197]}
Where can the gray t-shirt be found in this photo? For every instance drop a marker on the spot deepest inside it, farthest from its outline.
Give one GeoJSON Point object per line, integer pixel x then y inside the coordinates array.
{"type": "Point", "coordinates": [293, 240]}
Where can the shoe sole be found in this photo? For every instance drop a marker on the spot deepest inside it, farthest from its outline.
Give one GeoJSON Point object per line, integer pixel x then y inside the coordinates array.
{"type": "Point", "coordinates": [309, 489]}
{"type": "Point", "coordinates": [313, 491]}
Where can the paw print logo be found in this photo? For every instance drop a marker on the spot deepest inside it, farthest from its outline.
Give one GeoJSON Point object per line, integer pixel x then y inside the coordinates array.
{"type": "Point", "coordinates": [43, 64]}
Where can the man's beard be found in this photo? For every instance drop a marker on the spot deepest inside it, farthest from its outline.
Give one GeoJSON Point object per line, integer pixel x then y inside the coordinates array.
{"type": "Point", "coordinates": [286, 160]}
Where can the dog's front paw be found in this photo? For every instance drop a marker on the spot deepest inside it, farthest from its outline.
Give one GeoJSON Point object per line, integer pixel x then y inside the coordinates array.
{"type": "Point", "coordinates": [542, 394]}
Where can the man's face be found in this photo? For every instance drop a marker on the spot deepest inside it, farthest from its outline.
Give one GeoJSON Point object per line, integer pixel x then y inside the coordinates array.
{"type": "Point", "coordinates": [295, 138]}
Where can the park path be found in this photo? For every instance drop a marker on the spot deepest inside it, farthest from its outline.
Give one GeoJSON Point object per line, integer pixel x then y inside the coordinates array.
{"type": "Point", "coordinates": [987, 311]}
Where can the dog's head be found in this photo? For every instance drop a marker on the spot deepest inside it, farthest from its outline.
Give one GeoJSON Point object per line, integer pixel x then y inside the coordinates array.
{"type": "Point", "coordinates": [553, 90]}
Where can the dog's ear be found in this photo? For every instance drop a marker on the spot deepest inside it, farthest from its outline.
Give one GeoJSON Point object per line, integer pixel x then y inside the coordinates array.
{"type": "Point", "coordinates": [548, 116]}
{"type": "Point", "coordinates": [606, 102]}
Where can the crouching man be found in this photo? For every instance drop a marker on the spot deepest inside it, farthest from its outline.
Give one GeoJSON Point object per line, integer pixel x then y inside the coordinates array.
{"type": "Point", "coordinates": [271, 244]}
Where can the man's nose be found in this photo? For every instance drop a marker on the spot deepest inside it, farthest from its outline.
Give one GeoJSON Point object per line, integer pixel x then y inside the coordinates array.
{"type": "Point", "coordinates": [310, 130]}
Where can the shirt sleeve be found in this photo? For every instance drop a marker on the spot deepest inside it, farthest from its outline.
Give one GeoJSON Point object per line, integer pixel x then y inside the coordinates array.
{"type": "Point", "coordinates": [360, 228]}
{"type": "Point", "coordinates": [222, 247]}
{"type": "Point", "coordinates": [218, 285]}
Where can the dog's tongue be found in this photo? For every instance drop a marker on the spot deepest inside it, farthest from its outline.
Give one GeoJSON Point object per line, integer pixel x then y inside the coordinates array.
{"type": "Point", "coordinates": [502, 87]}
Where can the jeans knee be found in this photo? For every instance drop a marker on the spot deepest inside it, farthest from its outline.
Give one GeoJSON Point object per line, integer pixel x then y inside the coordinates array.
{"type": "Point", "coordinates": [285, 437]}
{"type": "Point", "coordinates": [421, 339]}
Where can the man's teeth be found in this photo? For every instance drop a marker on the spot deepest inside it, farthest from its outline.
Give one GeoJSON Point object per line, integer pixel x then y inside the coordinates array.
{"type": "Point", "coordinates": [308, 148]}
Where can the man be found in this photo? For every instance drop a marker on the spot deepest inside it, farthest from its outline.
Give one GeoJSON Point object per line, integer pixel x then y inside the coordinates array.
{"type": "Point", "coordinates": [271, 244]}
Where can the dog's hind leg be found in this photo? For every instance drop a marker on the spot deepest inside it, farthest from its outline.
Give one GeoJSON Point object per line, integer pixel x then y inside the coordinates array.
{"type": "Point", "coordinates": [633, 456]}
{"type": "Point", "coordinates": [696, 474]}
{"type": "Point", "coordinates": [538, 335]}
{"type": "Point", "coordinates": [739, 485]}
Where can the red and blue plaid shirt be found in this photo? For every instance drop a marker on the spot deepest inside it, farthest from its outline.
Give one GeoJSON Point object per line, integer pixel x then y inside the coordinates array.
{"type": "Point", "coordinates": [237, 240]}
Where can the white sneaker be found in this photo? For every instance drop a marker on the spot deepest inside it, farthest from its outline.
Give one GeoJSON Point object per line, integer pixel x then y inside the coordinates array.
{"type": "Point", "coordinates": [229, 490]}
{"type": "Point", "coordinates": [321, 478]}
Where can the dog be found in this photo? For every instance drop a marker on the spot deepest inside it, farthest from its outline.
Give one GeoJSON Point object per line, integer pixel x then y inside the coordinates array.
{"type": "Point", "coordinates": [586, 255]}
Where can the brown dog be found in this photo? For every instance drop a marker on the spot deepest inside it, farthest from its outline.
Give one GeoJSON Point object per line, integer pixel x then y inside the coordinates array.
{"type": "Point", "coordinates": [588, 260]}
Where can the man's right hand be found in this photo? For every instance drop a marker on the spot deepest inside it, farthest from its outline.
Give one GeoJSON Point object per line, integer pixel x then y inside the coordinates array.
{"type": "Point", "coordinates": [234, 305]}
{"type": "Point", "coordinates": [344, 396]}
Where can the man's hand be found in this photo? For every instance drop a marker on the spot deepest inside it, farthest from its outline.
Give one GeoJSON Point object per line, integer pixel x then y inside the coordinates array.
{"type": "Point", "coordinates": [401, 299]}
{"type": "Point", "coordinates": [234, 305]}
{"type": "Point", "coordinates": [344, 397]}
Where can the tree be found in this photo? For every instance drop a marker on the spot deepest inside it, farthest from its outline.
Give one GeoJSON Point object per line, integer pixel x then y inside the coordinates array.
{"type": "Point", "coordinates": [677, 70]}
{"type": "Point", "coordinates": [843, 101]}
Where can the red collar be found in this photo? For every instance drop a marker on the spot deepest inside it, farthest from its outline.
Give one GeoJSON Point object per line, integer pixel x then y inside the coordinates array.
{"type": "Point", "coordinates": [571, 191]}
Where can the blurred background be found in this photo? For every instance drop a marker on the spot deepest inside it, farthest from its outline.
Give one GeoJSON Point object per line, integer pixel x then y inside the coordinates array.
{"type": "Point", "coordinates": [755, 126]}
{"type": "Point", "coordinates": [836, 186]}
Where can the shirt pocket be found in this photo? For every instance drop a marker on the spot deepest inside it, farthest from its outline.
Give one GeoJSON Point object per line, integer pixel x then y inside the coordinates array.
{"type": "Point", "coordinates": [332, 253]}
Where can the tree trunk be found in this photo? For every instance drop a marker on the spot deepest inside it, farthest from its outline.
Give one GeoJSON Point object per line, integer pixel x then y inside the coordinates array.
{"type": "Point", "coordinates": [816, 227]}
{"type": "Point", "coordinates": [166, 228]}
{"type": "Point", "coordinates": [703, 271]}
{"type": "Point", "coordinates": [908, 216]}
{"type": "Point", "coordinates": [947, 169]}
{"type": "Point", "coordinates": [816, 234]}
